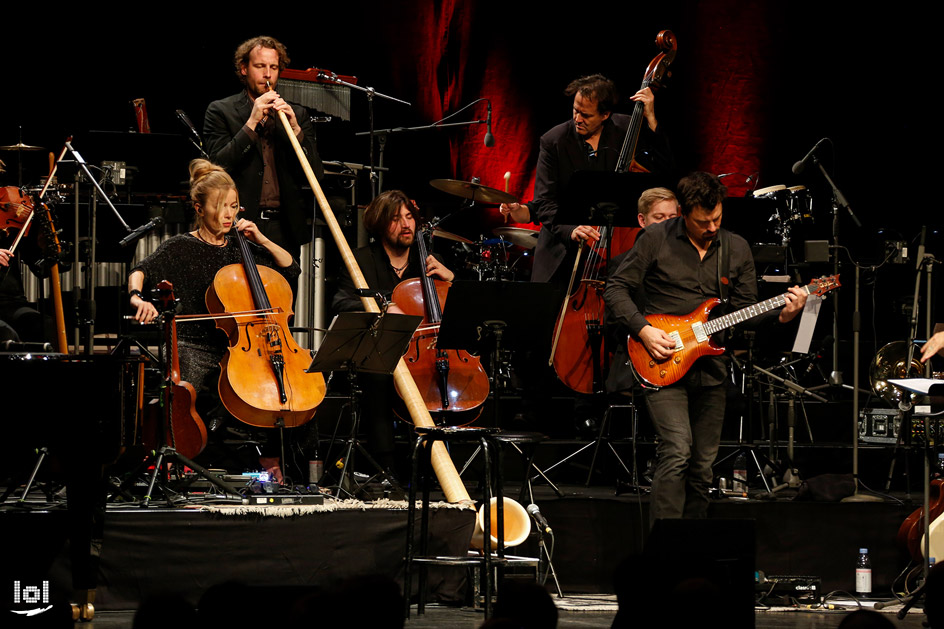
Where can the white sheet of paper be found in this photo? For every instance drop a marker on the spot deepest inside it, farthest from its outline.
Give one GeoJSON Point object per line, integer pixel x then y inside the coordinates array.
{"type": "Point", "coordinates": [801, 344]}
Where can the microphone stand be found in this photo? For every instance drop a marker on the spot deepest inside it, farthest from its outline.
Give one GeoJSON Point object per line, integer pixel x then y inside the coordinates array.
{"type": "Point", "coordinates": [794, 389]}
{"type": "Point", "coordinates": [383, 133]}
{"type": "Point", "coordinates": [376, 181]}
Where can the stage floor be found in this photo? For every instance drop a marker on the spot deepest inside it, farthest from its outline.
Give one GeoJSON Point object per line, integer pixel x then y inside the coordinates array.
{"type": "Point", "coordinates": [187, 550]}
{"type": "Point", "coordinates": [462, 618]}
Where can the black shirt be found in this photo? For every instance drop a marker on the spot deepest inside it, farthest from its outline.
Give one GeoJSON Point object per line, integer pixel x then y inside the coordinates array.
{"type": "Point", "coordinates": [676, 280]}
{"type": "Point", "coordinates": [190, 264]}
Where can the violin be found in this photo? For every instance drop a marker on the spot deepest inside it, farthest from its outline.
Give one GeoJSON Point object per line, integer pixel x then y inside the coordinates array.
{"type": "Point", "coordinates": [15, 209]}
{"type": "Point", "coordinates": [450, 381]}
{"type": "Point", "coordinates": [577, 352]}
{"type": "Point", "coordinates": [263, 381]}
{"type": "Point", "coordinates": [183, 426]}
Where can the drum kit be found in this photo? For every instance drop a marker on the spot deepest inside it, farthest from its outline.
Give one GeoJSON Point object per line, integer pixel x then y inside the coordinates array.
{"type": "Point", "coordinates": [501, 255]}
{"type": "Point", "coordinates": [791, 207]}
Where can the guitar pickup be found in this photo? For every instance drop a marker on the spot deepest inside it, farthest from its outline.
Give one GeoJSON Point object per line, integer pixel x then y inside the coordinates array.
{"type": "Point", "coordinates": [679, 346]}
{"type": "Point", "coordinates": [698, 329]}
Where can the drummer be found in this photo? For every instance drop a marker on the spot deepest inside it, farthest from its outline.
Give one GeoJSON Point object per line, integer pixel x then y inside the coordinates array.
{"type": "Point", "coordinates": [388, 260]}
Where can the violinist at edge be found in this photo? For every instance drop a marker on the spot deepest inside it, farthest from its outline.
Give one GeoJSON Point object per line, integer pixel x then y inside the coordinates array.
{"type": "Point", "coordinates": [190, 262]}
{"type": "Point", "coordinates": [19, 321]}
{"type": "Point", "coordinates": [388, 260]}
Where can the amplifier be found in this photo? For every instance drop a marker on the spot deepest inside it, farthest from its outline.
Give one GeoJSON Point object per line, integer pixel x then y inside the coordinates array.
{"type": "Point", "coordinates": [879, 425]}
{"type": "Point", "coordinates": [799, 588]}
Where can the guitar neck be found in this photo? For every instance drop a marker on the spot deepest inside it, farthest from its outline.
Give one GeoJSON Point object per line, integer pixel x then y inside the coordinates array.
{"type": "Point", "coordinates": [739, 316]}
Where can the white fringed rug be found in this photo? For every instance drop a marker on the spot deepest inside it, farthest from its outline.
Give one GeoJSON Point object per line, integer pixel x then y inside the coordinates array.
{"type": "Point", "coordinates": [287, 511]}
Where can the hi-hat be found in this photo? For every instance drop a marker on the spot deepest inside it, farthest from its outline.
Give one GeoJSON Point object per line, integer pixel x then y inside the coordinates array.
{"type": "Point", "coordinates": [520, 236]}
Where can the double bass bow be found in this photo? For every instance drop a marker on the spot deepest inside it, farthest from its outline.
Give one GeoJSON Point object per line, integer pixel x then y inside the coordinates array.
{"type": "Point", "coordinates": [264, 381]}
{"type": "Point", "coordinates": [577, 351]}
{"type": "Point", "coordinates": [451, 381]}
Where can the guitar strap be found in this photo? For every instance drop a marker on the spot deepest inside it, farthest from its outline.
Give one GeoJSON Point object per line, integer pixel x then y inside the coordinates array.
{"type": "Point", "coordinates": [723, 268]}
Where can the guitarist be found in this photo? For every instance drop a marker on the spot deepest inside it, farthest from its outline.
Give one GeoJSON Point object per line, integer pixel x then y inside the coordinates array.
{"type": "Point", "coordinates": [678, 264]}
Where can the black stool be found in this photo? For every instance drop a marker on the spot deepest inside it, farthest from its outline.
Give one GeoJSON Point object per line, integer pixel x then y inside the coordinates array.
{"type": "Point", "coordinates": [525, 444]}
{"type": "Point", "coordinates": [490, 447]}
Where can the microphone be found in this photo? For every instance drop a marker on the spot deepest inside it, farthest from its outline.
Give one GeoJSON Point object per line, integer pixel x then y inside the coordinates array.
{"type": "Point", "coordinates": [489, 138]}
{"type": "Point", "coordinates": [535, 513]}
{"type": "Point", "coordinates": [140, 231]}
{"type": "Point", "coordinates": [800, 166]}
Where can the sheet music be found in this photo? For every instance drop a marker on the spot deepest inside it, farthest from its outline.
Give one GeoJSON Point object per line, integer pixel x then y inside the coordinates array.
{"type": "Point", "coordinates": [919, 385]}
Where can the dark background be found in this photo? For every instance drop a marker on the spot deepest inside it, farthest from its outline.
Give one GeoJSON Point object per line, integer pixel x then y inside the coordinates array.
{"type": "Point", "coordinates": [754, 86]}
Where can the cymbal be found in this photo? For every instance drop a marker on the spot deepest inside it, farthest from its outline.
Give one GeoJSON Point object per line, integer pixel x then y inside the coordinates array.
{"type": "Point", "coordinates": [474, 191]}
{"type": "Point", "coordinates": [19, 146]}
{"type": "Point", "coordinates": [520, 236]}
{"type": "Point", "coordinates": [450, 236]}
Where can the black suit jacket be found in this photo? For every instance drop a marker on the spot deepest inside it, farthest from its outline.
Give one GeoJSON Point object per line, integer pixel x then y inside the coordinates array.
{"type": "Point", "coordinates": [230, 146]}
{"type": "Point", "coordinates": [562, 154]}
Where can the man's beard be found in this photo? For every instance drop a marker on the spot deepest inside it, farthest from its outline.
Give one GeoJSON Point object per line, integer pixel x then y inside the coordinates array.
{"type": "Point", "coordinates": [402, 242]}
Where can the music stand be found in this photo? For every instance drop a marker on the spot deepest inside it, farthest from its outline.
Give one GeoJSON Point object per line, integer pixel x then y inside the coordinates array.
{"type": "Point", "coordinates": [368, 342]}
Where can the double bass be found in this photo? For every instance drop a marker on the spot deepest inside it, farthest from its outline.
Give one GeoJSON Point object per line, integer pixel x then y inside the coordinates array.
{"type": "Point", "coordinates": [263, 381]}
{"type": "Point", "coordinates": [578, 354]}
{"type": "Point", "coordinates": [450, 381]}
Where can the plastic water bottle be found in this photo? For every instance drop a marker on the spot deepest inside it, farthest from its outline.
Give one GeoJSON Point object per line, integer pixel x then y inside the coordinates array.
{"type": "Point", "coordinates": [739, 482]}
{"type": "Point", "coordinates": [863, 581]}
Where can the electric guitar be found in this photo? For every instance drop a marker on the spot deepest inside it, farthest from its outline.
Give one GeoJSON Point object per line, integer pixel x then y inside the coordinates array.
{"type": "Point", "coordinates": [692, 334]}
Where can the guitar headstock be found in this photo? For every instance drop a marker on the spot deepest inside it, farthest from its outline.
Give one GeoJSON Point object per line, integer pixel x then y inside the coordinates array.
{"type": "Point", "coordinates": [823, 285]}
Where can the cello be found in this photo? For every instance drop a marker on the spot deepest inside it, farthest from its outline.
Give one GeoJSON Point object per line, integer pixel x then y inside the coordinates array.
{"type": "Point", "coordinates": [263, 380]}
{"type": "Point", "coordinates": [577, 351]}
{"type": "Point", "coordinates": [450, 381]}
